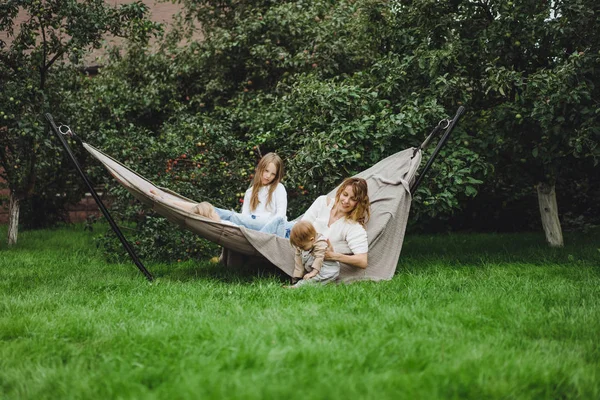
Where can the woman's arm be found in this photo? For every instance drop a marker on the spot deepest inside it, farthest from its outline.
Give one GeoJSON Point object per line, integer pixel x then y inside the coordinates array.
{"type": "Point", "coordinates": [356, 260]}
{"type": "Point", "coordinates": [356, 238]}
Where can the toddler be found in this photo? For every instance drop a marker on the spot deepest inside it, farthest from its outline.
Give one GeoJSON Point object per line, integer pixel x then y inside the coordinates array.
{"type": "Point", "coordinates": [309, 258]}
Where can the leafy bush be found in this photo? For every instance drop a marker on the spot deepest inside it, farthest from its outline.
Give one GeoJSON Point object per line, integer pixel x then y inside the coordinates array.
{"type": "Point", "coordinates": [38, 74]}
{"type": "Point", "coordinates": [311, 81]}
{"type": "Point", "coordinates": [335, 87]}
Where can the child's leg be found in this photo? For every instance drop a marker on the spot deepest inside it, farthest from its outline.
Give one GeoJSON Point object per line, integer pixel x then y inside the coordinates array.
{"type": "Point", "coordinates": [206, 210]}
{"type": "Point", "coordinates": [301, 283]}
{"type": "Point", "coordinates": [329, 272]}
{"type": "Point", "coordinates": [278, 226]}
{"type": "Point", "coordinates": [239, 219]}
{"type": "Point", "coordinates": [182, 205]}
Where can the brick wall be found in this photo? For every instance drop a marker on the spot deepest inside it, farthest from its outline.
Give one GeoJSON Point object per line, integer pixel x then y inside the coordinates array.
{"type": "Point", "coordinates": [76, 213]}
{"type": "Point", "coordinates": [159, 12]}
{"type": "Point", "coordinates": [86, 207]}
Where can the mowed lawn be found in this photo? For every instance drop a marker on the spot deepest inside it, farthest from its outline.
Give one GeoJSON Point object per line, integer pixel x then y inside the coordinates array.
{"type": "Point", "coordinates": [467, 316]}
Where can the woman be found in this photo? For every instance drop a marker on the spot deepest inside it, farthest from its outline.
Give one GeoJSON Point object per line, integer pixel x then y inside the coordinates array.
{"type": "Point", "coordinates": [342, 220]}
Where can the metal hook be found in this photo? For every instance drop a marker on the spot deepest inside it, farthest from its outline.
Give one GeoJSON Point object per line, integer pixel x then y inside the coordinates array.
{"type": "Point", "coordinates": [68, 130]}
{"type": "Point", "coordinates": [447, 121]}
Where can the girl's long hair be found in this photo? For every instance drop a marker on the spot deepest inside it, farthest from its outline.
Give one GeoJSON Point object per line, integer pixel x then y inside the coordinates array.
{"type": "Point", "coordinates": [257, 181]}
{"type": "Point", "coordinates": [362, 212]}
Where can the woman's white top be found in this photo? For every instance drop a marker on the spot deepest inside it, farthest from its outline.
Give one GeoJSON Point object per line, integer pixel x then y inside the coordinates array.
{"type": "Point", "coordinates": [276, 208]}
{"type": "Point", "coordinates": [346, 236]}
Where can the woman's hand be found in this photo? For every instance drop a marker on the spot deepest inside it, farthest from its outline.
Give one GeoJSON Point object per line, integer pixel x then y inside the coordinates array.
{"type": "Point", "coordinates": [356, 260]}
{"type": "Point", "coordinates": [329, 253]}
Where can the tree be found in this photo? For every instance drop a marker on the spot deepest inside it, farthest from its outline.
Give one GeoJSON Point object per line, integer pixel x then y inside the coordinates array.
{"type": "Point", "coordinates": [36, 68]}
{"type": "Point", "coordinates": [311, 80]}
{"type": "Point", "coordinates": [541, 66]}
{"type": "Point", "coordinates": [319, 82]}
{"type": "Point", "coordinates": [336, 86]}
{"type": "Point", "coordinates": [527, 71]}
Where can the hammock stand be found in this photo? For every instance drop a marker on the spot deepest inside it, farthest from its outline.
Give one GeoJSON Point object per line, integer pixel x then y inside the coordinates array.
{"type": "Point", "coordinates": [391, 184]}
{"type": "Point", "coordinates": [58, 131]}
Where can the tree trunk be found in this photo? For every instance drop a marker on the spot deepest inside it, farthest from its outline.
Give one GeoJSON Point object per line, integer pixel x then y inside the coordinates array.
{"type": "Point", "coordinates": [549, 214]}
{"type": "Point", "coordinates": [13, 218]}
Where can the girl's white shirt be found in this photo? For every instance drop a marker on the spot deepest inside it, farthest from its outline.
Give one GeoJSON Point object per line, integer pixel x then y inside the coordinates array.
{"type": "Point", "coordinates": [277, 207]}
{"type": "Point", "coordinates": [346, 236]}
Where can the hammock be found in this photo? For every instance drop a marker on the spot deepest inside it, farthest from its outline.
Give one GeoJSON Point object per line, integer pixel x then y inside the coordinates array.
{"type": "Point", "coordinates": [390, 182]}
{"type": "Point", "coordinates": [389, 191]}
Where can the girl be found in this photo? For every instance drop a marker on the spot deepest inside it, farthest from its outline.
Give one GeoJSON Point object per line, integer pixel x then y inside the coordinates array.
{"type": "Point", "coordinates": [264, 200]}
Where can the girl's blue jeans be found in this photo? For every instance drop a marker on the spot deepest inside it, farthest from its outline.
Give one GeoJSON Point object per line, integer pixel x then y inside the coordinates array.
{"type": "Point", "coordinates": [278, 225]}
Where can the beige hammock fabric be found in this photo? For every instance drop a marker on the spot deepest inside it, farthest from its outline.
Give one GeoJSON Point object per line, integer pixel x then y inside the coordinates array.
{"type": "Point", "coordinates": [388, 180]}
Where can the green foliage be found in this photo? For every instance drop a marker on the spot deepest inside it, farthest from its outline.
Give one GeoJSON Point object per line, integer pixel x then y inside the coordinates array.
{"type": "Point", "coordinates": [253, 45]}
{"type": "Point", "coordinates": [526, 71]}
{"type": "Point", "coordinates": [555, 112]}
{"type": "Point", "coordinates": [329, 129]}
{"type": "Point", "coordinates": [336, 86]}
{"type": "Point", "coordinates": [33, 163]}
{"type": "Point", "coordinates": [156, 238]}
{"type": "Point", "coordinates": [138, 117]}
{"type": "Point", "coordinates": [38, 72]}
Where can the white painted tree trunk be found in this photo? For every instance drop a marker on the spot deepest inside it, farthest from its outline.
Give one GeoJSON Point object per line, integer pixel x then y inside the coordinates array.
{"type": "Point", "coordinates": [549, 214]}
{"type": "Point", "coordinates": [13, 218]}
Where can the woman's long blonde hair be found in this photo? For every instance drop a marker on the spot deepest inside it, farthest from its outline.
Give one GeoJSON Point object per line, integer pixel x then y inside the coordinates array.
{"type": "Point", "coordinates": [257, 181]}
{"type": "Point", "coordinates": [362, 212]}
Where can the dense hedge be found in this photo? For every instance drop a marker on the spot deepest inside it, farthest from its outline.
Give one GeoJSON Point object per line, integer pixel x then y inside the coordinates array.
{"type": "Point", "coordinates": [335, 86]}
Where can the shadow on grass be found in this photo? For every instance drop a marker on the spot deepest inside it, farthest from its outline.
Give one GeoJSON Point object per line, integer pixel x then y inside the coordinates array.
{"type": "Point", "coordinates": [204, 270]}
{"type": "Point", "coordinates": [492, 248]}
{"type": "Point", "coordinates": [419, 253]}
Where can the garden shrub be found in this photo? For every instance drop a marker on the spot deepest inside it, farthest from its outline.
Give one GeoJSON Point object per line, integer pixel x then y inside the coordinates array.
{"type": "Point", "coordinates": [311, 81]}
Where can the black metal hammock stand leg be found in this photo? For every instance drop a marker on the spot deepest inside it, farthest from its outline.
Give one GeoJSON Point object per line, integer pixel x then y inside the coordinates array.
{"type": "Point", "coordinates": [58, 131]}
{"type": "Point", "coordinates": [447, 129]}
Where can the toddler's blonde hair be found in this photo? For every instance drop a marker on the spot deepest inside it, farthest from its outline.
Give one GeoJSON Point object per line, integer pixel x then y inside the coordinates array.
{"type": "Point", "coordinates": [302, 232]}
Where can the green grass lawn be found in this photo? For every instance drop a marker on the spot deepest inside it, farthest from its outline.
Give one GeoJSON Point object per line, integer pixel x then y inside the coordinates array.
{"type": "Point", "coordinates": [477, 316]}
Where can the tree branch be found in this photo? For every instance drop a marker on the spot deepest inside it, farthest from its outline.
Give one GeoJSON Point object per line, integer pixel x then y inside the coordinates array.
{"type": "Point", "coordinates": [56, 57]}
{"type": "Point", "coordinates": [44, 41]}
